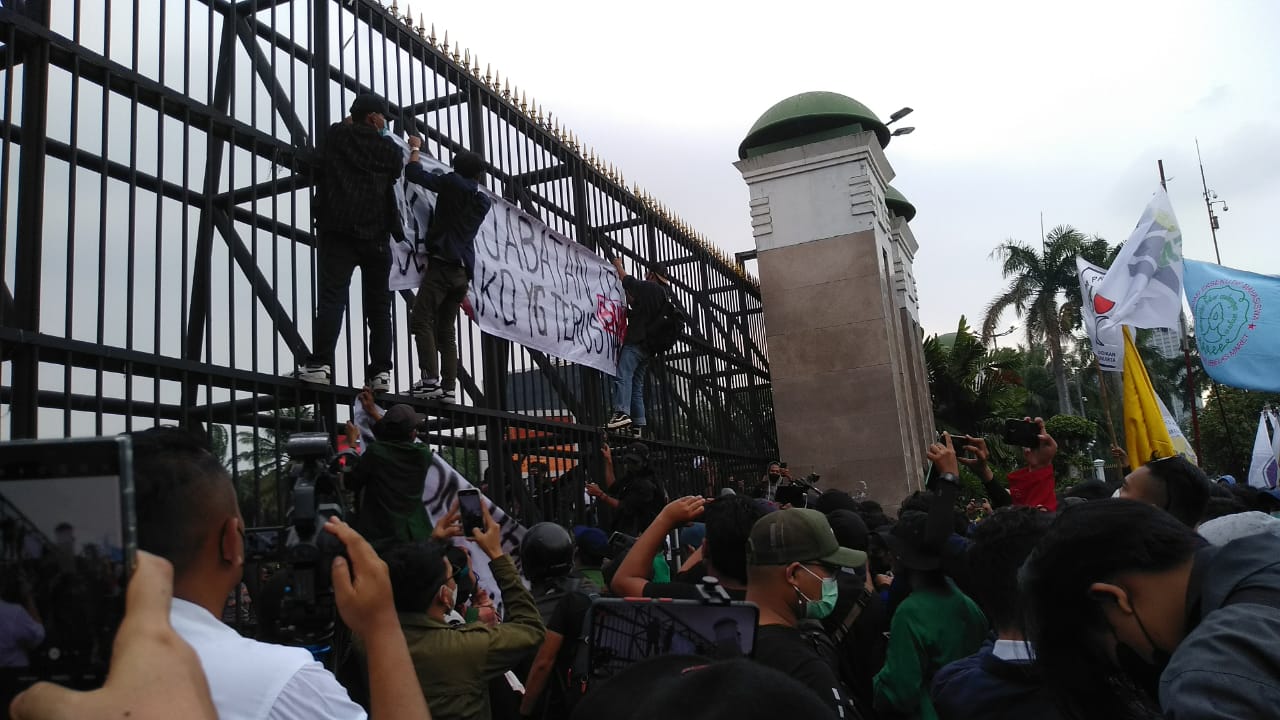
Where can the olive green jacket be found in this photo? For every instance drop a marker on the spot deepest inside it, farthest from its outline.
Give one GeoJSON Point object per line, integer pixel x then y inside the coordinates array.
{"type": "Point", "coordinates": [455, 664]}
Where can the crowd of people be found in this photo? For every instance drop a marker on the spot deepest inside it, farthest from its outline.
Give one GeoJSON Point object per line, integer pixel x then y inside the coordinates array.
{"type": "Point", "coordinates": [1158, 596]}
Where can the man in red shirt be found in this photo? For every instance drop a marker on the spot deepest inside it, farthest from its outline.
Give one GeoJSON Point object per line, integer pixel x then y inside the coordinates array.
{"type": "Point", "coordinates": [1032, 486]}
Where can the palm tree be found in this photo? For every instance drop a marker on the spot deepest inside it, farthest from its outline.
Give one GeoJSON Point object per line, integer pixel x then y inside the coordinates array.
{"type": "Point", "coordinates": [969, 385]}
{"type": "Point", "coordinates": [1038, 279]}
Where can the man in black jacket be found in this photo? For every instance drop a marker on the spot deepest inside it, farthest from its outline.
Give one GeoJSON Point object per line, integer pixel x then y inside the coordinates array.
{"type": "Point", "coordinates": [461, 207]}
{"type": "Point", "coordinates": [355, 213]}
{"type": "Point", "coordinates": [645, 300]}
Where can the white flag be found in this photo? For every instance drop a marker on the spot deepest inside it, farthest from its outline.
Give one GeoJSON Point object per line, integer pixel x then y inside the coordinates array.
{"type": "Point", "coordinates": [1274, 416]}
{"type": "Point", "coordinates": [1262, 470]}
{"type": "Point", "coordinates": [1180, 443]}
{"type": "Point", "coordinates": [1108, 345]}
{"type": "Point", "coordinates": [1143, 287]}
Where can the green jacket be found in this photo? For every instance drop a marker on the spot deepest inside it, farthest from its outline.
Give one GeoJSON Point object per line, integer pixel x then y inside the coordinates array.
{"type": "Point", "coordinates": [928, 630]}
{"type": "Point", "coordinates": [388, 483]}
{"type": "Point", "coordinates": [455, 664]}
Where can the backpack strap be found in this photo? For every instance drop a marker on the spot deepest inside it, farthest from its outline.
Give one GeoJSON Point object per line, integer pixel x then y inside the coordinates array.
{"type": "Point", "coordinates": [842, 630]}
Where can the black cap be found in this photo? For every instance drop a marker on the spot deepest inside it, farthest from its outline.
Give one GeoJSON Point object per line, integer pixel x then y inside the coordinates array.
{"type": "Point", "coordinates": [907, 541]}
{"type": "Point", "coordinates": [366, 103]}
{"type": "Point", "coordinates": [398, 423]}
{"type": "Point", "coordinates": [636, 452]}
{"type": "Point", "coordinates": [849, 528]}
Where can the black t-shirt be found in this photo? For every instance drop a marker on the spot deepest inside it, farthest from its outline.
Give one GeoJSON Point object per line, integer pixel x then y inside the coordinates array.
{"type": "Point", "coordinates": [647, 299]}
{"type": "Point", "coordinates": [639, 502]}
{"type": "Point", "coordinates": [684, 591]}
{"type": "Point", "coordinates": [786, 650]}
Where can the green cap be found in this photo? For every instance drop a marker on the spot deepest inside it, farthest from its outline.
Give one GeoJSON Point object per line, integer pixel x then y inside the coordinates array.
{"type": "Point", "coordinates": [798, 535]}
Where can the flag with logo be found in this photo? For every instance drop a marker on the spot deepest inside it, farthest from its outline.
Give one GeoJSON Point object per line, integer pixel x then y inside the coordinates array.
{"type": "Point", "coordinates": [1263, 468]}
{"type": "Point", "coordinates": [1108, 345]}
{"type": "Point", "coordinates": [1145, 433]}
{"type": "Point", "coordinates": [1237, 316]}
{"type": "Point", "coordinates": [1143, 287]}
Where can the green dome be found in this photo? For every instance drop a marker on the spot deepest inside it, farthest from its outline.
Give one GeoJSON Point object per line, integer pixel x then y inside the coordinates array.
{"type": "Point", "coordinates": [898, 203]}
{"type": "Point", "coordinates": [810, 117]}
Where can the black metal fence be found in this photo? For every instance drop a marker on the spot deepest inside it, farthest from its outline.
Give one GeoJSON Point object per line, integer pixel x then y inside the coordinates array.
{"type": "Point", "coordinates": [157, 256]}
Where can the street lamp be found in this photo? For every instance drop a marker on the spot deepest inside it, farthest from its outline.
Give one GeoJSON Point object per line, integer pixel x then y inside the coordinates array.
{"type": "Point", "coordinates": [1210, 199]}
{"type": "Point", "coordinates": [898, 116]}
{"type": "Point", "coordinates": [908, 130]}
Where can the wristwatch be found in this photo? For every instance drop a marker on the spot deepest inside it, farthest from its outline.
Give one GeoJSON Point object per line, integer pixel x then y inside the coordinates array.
{"type": "Point", "coordinates": [949, 477]}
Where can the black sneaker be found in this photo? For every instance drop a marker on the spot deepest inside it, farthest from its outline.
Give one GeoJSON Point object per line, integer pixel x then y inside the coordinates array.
{"type": "Point", "coordinates": [425, 389]}
{"type": "Point", "coordinates": [638, 431]}
{"type": "Point", "coordinates": [618, 421]}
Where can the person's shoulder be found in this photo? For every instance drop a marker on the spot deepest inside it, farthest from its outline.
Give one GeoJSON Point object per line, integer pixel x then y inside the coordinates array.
{"type": "Point", "coordinates": [958, 676]}
{"type": "Point", "coordinates": [1236, 641]}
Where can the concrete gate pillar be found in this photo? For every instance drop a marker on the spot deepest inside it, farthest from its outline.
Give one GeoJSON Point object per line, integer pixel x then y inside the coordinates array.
{"type": "Point", "coordinates": [851, 398]}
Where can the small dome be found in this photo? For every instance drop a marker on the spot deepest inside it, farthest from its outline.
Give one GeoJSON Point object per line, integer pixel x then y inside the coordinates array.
{"type": "Point", "coordinates": [898, 203]}
{"type": "Point", "coordinates": [810, 117]}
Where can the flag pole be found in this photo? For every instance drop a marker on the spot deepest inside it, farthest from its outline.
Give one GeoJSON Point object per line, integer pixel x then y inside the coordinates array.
{"type": "Point", "coordinates": [1192, 391]}
{"type": "Point", "coordinates": [1106, 402]}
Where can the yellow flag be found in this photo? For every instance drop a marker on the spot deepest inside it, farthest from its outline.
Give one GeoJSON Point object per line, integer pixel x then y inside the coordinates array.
{"type": "Point", "coordinates": [1145, 434]}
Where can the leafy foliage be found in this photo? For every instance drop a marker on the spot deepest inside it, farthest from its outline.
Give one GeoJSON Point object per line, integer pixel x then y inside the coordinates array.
{"type": "Point", "coordinates": [968, 384]}
{"type": "Point", "coordinates": [1227, 426]}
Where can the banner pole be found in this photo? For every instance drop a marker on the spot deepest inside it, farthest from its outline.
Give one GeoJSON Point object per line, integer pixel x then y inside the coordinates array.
{"type": "Point", "coordinates": [1106, 401]}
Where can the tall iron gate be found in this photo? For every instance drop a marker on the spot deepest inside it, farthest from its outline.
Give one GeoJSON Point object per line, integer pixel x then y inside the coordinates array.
{"type": "Point", "coordinates": [157, 256]}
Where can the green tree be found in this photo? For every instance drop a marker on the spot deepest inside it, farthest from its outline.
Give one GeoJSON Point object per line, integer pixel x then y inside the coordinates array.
{"type": "Point", "coordinates": [968, 384]}
{"type": "Point", "coordinates": [261, 463]}
{"type": "Point", "coordinates": [1227, 426]}
{"type": "Point", "coordinates": [1037, 279]}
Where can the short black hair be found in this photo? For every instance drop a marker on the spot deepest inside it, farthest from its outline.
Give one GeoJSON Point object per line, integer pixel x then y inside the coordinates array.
{"type": "Point", "coordinates": [1088, 490]}
{"type": "Point", "coordinates": [1220, 507]}
{"type": "Point", "coordinates": [469, 165]}
{"type": "Point", "coordinates": [1186, 487]}
{"type": "Point", "coordinates": [920, 500]}
{"type": "Point", "coordinates": [177, 482]}
{"type": "Point", "coordinates": [417, 572]}
{"type": "Point", "coordinates": [1087, 543]}
{"type": "Point", "coordinates": [729, 521]}
{"type": "Point", "coordinates": [831, 500]}
{"type": "Point", "coordinates": [1000, 545]}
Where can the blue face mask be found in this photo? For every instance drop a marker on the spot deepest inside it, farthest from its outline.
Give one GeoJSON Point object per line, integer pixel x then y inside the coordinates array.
{"type": "Point", "coordinates": [819, 609]}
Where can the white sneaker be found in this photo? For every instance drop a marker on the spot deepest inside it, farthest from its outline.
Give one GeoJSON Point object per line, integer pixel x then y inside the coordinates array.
{"type": "Point", "coordinates": [379, 383]}
{"type": "Point", "coordinates": [315, 374]}
{"type": "Point", "coordinates": [447, 396]}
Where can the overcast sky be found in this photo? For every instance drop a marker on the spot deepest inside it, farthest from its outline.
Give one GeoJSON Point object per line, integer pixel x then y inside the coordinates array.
{"type": "Point", "coordinates": [1018, 108]}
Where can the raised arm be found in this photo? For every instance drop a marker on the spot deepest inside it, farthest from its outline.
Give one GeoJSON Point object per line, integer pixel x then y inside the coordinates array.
{"type": "Point", "coordinates": [362, 588]}
{"type": "Point", "coordinates": [637, 569]}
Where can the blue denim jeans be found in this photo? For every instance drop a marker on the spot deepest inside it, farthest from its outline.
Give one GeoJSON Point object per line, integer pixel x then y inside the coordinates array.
{"type": "Point", "coordinates": [628, 386]}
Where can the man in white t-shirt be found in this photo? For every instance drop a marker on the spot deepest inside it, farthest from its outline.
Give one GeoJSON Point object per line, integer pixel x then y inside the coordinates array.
{"type": "Point", "coordinates": [187, 513]}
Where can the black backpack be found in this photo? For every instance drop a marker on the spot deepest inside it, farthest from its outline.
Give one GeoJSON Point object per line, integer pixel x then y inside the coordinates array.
{"type": "Point", "coordinates": [667, 325]}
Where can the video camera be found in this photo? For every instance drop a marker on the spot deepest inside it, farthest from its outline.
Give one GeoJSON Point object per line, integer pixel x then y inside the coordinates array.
{"type": "Point", "coordinates": [306, 610]}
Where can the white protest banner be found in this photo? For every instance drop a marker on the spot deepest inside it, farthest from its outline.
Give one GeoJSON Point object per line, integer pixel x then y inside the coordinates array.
{"type": "Point", "coordinates": [438, 496]}
{"type": "Point", "coordinates": [531, 284]}
{"type": "Point", "coordinates": [416, 203]}
{"type": "Point", "coordinates": [1108, 344]}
